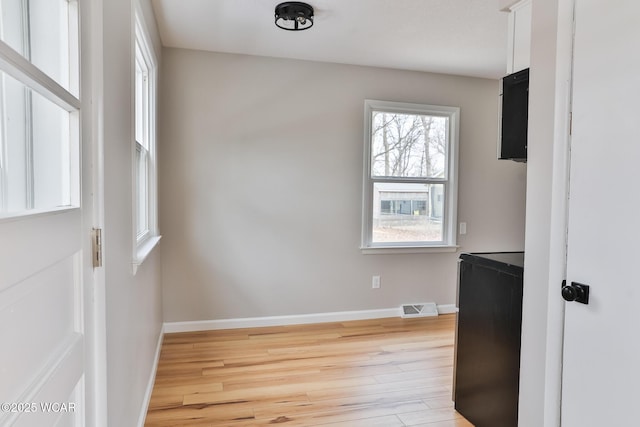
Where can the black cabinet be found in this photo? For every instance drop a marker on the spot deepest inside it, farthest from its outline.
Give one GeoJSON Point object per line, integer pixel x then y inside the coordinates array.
{"type": "Point", "coordinates": [515, 116]}
{"type": "Point", "coordinates": [487, 360]}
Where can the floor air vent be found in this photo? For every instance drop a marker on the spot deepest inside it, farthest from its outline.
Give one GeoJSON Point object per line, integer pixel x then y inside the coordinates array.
{"type": "Point", "coordinates": [419, 310]}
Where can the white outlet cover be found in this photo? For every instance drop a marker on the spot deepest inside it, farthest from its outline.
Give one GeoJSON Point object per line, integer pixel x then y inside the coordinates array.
{"type": "Point", "coordinates": [463, 228]}
{"type": "Point", "coordinates": [375, 282]}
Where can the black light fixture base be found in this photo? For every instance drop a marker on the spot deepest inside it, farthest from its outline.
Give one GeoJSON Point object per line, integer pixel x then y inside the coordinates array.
{"type": "Point", "coordinates": [294, 16]}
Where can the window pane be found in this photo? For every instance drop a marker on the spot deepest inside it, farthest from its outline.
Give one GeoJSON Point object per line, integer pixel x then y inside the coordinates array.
{"type": "Point", "coordinates": [44, 32]}
{"type": "Point", "coordinates": [51, 161]}
{"type": "Point", "coordinates": [142, 98]}
{"type": "Point", "coordinates": [139, 102]}
{"type": "Point", "coordinates": [36, 169]}
{"type": "Point", "coordinates": [142, 188]}
{"type": "Point", "coordinates": [14, 14]}
{"type": "Point", "coordinates": [407, 212]}
{"type": "Point", "coordinates": [408, 145]}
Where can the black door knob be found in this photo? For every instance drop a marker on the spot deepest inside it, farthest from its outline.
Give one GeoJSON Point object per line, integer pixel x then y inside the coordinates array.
{"type": "Point", "coordinates": [569, 293]}
{"type": "Point", "coordinates": [575, 292]}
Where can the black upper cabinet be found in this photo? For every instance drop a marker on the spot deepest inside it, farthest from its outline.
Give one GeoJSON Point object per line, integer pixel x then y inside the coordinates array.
{"type": "Point", "coordinates": [515, 116]}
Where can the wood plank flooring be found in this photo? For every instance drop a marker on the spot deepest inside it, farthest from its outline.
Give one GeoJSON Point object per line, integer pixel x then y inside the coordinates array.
{"type": "Point", "coordinates": [375, 373]}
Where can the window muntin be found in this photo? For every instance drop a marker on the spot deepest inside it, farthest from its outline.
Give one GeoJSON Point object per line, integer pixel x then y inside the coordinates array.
{"type": "Point", "coordinates": [410, 177]}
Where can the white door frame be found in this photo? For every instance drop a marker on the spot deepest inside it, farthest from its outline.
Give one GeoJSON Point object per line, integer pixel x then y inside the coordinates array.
{"type": "Point", "coordinates": [93, 195]}
{"type": "Point", "coordinates": [547, 207]}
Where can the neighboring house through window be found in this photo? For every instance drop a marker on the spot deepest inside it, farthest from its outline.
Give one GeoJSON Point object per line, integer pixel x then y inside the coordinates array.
{"type": "Point", "coordinates": [410, 185]}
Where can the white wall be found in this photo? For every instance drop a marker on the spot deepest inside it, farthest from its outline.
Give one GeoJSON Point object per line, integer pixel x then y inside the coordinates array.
{"type": "Point", "coordinates": [134, 308]}
{"type": "Point", "coordinates": [261, 180]}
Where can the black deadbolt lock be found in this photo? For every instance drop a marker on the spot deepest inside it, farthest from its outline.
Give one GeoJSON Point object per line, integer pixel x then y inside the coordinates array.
{"type": "Point", "coordinates": [575, 292]}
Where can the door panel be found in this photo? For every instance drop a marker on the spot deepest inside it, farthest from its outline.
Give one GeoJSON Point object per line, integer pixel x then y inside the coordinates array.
{"type": "Point", "coordinates": [37, 316]}
{"type": "Point", "coordinates": [55, 402]}
{"type": "Point", "coordinates": [601, 378]}
{"type": "Point", "coordinates": [31, 244]}
{"type": "Point", "coordinates": [41, 320]}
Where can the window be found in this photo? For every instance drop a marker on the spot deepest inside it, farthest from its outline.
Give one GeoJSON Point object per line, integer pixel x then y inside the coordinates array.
{"type": "Point", "coordinates": [39, 106]}
{"type": "Point", "coordinates": [410, 175]}
{"type": "Point", "coordinates": [144, 168]}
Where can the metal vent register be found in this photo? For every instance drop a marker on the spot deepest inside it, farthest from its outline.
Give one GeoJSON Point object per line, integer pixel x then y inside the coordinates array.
{"type": "Point", "coordinates": [419, 310]}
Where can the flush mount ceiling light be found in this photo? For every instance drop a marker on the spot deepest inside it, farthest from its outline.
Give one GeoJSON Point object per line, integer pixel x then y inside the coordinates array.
{"type": "Point", "coordinates": [294, 16]}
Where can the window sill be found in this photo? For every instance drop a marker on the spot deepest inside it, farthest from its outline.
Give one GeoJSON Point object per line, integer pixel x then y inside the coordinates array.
{"type": "Point", "coordinates": [397, 250]}
{"type": "Point", "coordinates": [34, 213]}
{"type": "Point", "coordinates": [143, 252]}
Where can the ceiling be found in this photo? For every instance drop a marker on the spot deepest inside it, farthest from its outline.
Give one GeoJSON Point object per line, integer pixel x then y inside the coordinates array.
{"type": "Point", "coordinates": [460, 37]}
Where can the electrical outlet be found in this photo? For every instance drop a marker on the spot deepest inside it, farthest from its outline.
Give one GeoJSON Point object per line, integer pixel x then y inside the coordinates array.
{"type": "Point", "coordinates": [375, 282]}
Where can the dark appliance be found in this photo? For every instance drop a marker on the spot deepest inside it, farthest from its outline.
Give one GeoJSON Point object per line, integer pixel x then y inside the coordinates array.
{"type": "Point", "coordinates": [515, 116]}
{"type": "Point", "coordinates": [487, 351]}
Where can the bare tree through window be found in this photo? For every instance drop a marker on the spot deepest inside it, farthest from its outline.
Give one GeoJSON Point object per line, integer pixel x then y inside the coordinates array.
{"type": "Point", "coordinates": [408, 145]}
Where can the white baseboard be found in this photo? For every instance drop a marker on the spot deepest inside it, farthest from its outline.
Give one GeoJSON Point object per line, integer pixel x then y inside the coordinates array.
{"type": "Point", "coordinates": [256, 322]}
{"type": "Point", "coordinates": [152, 379]}
{"type": "Point", "coordinates": [447, 309]}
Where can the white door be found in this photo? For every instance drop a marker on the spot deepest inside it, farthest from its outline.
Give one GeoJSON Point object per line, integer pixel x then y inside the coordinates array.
{"type": "Point", "coordinates": [46, 276]}
{"type": "Point", "coordinates": [601, 373]}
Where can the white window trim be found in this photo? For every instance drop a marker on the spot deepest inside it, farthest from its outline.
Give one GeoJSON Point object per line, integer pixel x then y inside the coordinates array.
{"type": "Point", "coordinates": [143, 246]}
{"type": "Point", "coordinates": [451, 188]}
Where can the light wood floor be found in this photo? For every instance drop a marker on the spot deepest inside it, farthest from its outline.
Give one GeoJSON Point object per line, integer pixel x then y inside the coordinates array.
{"type": "Point", "coordinates": [385, 373]}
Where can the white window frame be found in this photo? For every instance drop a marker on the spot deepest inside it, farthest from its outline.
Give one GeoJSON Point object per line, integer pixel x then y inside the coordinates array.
{"type": "Point", "coordinates": [145, 240]}
{"type": "Point", "coordinates": [448, 244]}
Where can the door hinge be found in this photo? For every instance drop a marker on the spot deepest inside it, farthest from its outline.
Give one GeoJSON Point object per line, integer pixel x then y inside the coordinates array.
{"type": "Point", "coordinates": [96, 240]}
{"type": "Point", "coordinates": [571, 123]}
